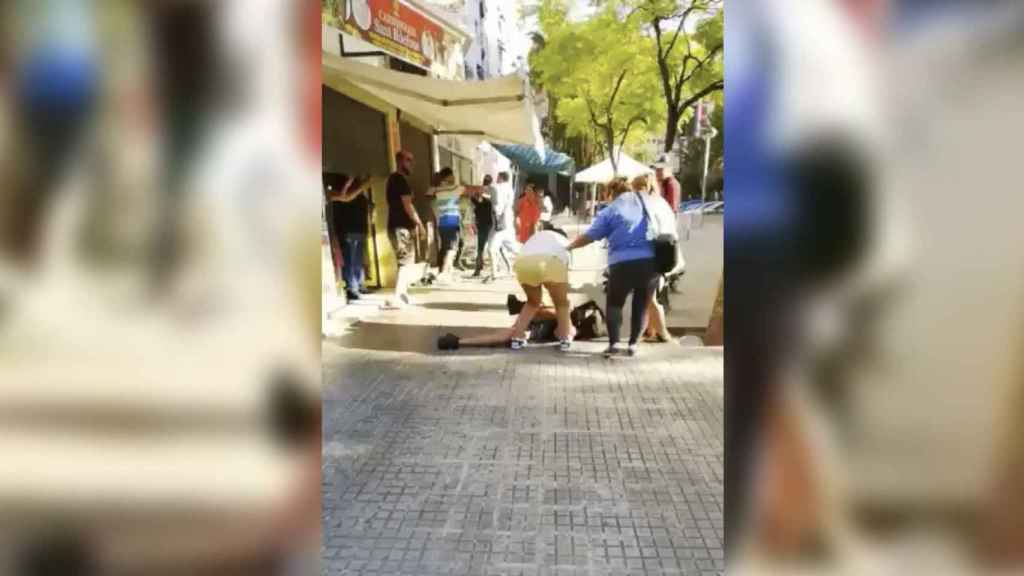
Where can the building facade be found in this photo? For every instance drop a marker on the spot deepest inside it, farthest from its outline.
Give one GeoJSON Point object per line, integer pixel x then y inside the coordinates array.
{"type": "Point", "coordinates": [492, 23]}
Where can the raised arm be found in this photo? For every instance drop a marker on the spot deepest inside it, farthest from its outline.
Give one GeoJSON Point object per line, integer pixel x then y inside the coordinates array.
{"type": "Point", "coordinates": [351, 193]}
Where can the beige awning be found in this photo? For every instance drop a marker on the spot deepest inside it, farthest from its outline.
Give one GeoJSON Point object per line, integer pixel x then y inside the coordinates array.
{"type": "Point", "coordinates": [498, 110]}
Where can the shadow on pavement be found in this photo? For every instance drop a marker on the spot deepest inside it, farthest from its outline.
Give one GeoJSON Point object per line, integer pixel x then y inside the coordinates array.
{"type": "Point", "coordinates": [382, 337]}
{"type": "Point", "coordinates": [463, 306]}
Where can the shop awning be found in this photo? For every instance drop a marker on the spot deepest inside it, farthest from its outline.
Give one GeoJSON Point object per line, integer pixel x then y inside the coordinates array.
{"type": "Point", "coordinates": [529, 161]}
{"type": "Point", "coordinates": [602, 172]}
{"type": "Point", "coordinates": [499, 110]}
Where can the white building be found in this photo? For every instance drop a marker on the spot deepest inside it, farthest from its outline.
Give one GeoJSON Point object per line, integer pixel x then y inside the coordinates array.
{"type": "Point", "coordinates": [492, 25]}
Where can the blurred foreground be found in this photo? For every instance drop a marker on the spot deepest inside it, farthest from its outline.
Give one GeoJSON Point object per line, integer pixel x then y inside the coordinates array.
{"type": "Point", "coordinates": [874, 420]}
{"type": "Point", "coordinates": [159, 352]}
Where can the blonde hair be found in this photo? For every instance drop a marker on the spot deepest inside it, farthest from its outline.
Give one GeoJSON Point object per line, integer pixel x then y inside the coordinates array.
{"type": "Point", "coordinates": [642, 183]}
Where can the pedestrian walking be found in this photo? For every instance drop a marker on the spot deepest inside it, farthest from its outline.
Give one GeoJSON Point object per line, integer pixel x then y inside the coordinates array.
{"type": "Point", "coordinates": [483, 213]}
{"type": "Point", "coordinates": [626, 224]}
{"type": "Point", "coordinates": [447, 197]}
{"type": "Point", "coordinates": [503, 244]}
{"type": "Point", "coordinates": [404, 226]}
{"type": "Point", "coordinates": [667, 183]}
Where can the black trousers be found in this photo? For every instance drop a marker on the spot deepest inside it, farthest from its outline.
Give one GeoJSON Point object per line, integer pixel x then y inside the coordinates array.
{"type": "Point", "coordinates": [639, 277]}
{"type": "Point", "coordinates": [483, 234]}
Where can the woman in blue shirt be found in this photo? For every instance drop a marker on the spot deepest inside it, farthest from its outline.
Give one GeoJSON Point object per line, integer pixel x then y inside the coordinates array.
{"type": "Point", "coordinates": [630, 259]}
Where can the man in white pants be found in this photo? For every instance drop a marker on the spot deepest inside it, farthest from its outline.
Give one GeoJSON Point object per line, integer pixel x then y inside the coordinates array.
{"type": "Point", "coordinates": [503, 243]}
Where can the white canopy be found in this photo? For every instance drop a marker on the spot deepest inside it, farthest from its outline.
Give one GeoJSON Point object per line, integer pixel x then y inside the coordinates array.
{"type": "Point", "coordinates": [603, 172]}
{"type": "Point", "coordinates": [500, 109]}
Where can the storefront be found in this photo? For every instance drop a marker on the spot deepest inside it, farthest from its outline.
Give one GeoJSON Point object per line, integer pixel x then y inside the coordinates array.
{"type": "Point", "coordinates": [372, 110]}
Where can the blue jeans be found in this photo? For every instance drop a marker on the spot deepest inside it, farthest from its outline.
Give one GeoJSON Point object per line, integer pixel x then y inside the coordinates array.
{"type": "Point", "coordinates": [353, 247]}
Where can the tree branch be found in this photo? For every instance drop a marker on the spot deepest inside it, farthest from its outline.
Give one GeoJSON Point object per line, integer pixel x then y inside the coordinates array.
{"type": "Point", "coordinates": [629, 126]}
{"type": "Point", "coordinates": [684, 77]}
{"type": "Point", "coordinates": [615, 92]}
{"type": "Point", "coordinates": [593, 114]}
{"type": "Point", "coordinates": [713, 87]}
{"type": "Point", "coordinates": [679, 29]}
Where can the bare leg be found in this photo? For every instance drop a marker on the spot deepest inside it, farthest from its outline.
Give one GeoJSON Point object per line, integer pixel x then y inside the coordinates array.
{"type": "Point", "coordinates": [494, 339]}
{"type": "Point", "coordinates": [518, 330]}
{"type": "Point", "coordinates": [560, 296]}
{"type": "Point", "coordinates": [533, 304]}
{"type": "Point", "coordinates": [657, 326]}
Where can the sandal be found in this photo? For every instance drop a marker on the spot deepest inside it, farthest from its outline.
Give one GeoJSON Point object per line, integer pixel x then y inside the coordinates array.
{"type": "Point", "coordinates": [518, 343]}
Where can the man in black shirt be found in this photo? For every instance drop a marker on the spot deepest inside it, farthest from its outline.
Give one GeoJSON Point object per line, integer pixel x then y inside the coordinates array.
{"type": "Point", "coordinates": [484, 215]}
{"type": "Point", "coordinates": [404, 226]}
{"type": "Point", "coordinates": [350, 209]}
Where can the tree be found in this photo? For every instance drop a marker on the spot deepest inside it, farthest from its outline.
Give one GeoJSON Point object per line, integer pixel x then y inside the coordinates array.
{"type": "Point", "coordinates": [687, 42]}
{"type": "Point", "coordinates": [599, 75]}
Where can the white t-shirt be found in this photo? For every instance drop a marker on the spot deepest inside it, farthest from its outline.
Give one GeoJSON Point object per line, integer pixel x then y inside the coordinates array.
{"type": "Point", "coordinates": [547, 210]}
{"type": "Point", "coordinates": [503, 200]}
{"type": "Point", "coordinates": [547, 243]}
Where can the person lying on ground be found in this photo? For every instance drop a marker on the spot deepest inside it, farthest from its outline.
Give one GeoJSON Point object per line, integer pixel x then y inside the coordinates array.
{"type": "Point", "coordinates": [543, 264]}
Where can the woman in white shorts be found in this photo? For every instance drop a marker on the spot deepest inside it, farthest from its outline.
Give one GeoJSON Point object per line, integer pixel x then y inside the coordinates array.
{"type": "Point", "coordinates": [543, 264]}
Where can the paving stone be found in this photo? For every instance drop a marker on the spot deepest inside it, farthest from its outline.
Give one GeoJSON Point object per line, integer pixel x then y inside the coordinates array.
{"type": "Point", "coordinates": [527, 464]}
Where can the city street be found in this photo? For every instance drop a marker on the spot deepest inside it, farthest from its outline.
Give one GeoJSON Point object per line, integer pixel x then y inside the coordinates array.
{"type": "Point", "coordinates": [493, 462]}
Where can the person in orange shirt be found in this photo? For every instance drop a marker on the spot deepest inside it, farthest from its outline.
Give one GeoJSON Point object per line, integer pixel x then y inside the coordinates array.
{"type": "Point", "coordinates": [528, 211]}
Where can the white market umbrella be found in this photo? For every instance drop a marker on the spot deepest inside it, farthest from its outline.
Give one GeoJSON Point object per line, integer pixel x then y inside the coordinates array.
{"type": "Point", "coordinates": [602, 172]}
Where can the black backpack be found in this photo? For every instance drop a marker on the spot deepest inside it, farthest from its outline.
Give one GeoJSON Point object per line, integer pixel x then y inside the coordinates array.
{"type": "Point", "coordinates": [589, 321]}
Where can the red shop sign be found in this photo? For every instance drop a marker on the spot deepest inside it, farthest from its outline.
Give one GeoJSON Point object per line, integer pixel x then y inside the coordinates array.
{"type": "Point", "coordinates": [396, 28]}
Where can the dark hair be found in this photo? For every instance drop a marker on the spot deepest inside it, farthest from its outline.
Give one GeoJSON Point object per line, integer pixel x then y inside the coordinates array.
{"type": "Point", "coordinates": [488, 180]}
{"type": "Point", "coordinates": [444, 173]}
{"type": "Point", "coordinates": [333, 181]}
{"type": "Point", "coordinates": [549, 227]}
{"type": "Point", "coordinates": [503, 176]}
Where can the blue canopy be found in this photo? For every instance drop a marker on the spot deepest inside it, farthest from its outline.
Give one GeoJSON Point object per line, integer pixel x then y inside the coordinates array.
{"type": "Point", "coordinates": [529, 161]}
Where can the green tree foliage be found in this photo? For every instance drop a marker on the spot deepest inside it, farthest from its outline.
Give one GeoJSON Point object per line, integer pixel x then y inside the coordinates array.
{"type": "Point", "coordinates": [688, 42]}
{"type": "Point", "coordinates": [599, 75]}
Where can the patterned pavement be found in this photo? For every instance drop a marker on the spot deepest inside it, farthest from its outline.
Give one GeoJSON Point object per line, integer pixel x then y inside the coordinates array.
{"type": "Point", "coordinates": [535, 463]}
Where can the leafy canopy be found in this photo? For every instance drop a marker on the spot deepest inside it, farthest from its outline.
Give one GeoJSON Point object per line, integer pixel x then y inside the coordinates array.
{"type": "Point", "coordinates": [600, 72]}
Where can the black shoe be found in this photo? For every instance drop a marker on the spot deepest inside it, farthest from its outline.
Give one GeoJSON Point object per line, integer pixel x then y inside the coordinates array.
{"type": "Point", "coordinates": [476, 274]}
{"type": "Point", "coordinates": [352, 296]}
{"type": "Point", "coordinates": [365, 291]}
{"type": "Point", "coordinates": [612, 350]}
{"type": "Point", "coordinates": [448, 342]}
{"type": "Point", "coordinates": [514, 305]}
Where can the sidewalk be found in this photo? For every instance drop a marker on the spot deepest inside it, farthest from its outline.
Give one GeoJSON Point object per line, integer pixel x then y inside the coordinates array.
{"type": "Point", "coordinates": [493, 462]}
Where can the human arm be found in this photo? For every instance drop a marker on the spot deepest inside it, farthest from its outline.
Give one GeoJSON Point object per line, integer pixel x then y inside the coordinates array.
{"type": "Point", "coordinates": [580, 241]}
{"type": "Point", "coordinates": [410, 211]}
{"type": "Point", "coordinates": [599, 230]}
{"type": "Point", "coordinates": [350, 192]}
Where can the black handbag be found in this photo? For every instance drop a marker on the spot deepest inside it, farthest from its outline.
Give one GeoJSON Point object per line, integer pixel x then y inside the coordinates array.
{"type": "Point", "coordinates": [666, 254]}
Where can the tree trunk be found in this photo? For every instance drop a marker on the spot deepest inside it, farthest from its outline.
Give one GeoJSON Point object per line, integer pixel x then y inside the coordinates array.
{"type": "Point", "coordinates": [671, 129]}
{"type": "Point", "coordinates": [609, 137]}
